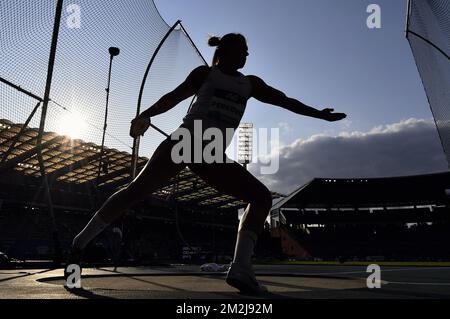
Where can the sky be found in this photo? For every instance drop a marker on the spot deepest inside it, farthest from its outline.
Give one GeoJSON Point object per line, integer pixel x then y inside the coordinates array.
{"type": "Point", "coordinates": [322, 53]}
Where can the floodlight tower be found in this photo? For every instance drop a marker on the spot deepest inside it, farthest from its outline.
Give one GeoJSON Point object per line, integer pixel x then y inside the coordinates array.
{"type": "Point", "coordinates": [245, 143]}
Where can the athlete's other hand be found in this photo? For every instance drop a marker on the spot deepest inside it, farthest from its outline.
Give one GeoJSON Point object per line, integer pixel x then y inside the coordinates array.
{"type": "Point", "coordinates": [139, 126]}
{"type": "Point", "coordinates": [328, 115]}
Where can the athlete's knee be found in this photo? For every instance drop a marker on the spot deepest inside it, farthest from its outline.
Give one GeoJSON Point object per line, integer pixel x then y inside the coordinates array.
{"type": "Point", "coordinates": [262, 198]}
{"type": "Point", "coordinates": [266, 199]}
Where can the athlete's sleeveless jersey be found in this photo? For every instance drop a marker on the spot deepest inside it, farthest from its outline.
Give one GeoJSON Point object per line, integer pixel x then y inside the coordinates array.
{"type": "Point", "coordinates": [221, 101]}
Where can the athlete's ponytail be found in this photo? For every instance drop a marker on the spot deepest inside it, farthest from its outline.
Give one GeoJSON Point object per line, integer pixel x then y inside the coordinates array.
{"type": "Point", "coordinates": [213, 41]}
{"type": "Point", "coordinates": [227, 41]}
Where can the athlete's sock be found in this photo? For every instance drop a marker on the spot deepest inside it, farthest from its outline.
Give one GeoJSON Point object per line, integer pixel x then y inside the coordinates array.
{"type": "Point", "coordinates": [245, 243]}
{"type": "Point", "coordinates": [95, 226]}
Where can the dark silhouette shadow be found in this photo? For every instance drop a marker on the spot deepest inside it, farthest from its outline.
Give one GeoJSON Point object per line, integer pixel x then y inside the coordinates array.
{"type": "Point", "coordinates": [26, 274]}
{"type": "Point", "coordinates": [81, 292]}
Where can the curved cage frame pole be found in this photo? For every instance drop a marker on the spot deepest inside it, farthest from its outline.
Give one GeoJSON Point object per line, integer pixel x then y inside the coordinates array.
{"type": "Point", "coordinates": [136, 141]}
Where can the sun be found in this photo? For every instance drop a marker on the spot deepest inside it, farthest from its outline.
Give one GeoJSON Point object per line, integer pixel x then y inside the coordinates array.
{"type": "Point", "coordinates": [72, 125]}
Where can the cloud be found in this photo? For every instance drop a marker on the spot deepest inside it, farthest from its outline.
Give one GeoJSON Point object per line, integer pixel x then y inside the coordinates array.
{"type": "Point", "coordinates": [285, 128]}
{"type": "Point", "coordinates": [406, 148]}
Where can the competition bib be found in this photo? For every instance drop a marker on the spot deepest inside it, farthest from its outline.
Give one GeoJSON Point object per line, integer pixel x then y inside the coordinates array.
{"type": "Point", "coordinates": [227, 107]}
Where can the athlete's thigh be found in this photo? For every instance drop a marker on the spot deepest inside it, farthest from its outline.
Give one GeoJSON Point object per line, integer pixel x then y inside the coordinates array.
{"type": "Point", "coordinates": [231, 179]}
{"type": "Point", "coordinates": [158, 170]}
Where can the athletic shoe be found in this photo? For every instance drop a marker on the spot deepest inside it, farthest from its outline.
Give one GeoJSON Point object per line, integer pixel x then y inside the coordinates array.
{"type": "Point", "coordinates": [243, 279]}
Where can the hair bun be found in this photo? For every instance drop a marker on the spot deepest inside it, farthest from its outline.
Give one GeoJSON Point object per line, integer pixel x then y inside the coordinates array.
{"type": "Point", "coordinates": [214, 41]}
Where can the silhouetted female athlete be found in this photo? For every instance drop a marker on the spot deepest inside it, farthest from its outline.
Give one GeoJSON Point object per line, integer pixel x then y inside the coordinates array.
{"type": "Point", "coordinates": [222, 94]}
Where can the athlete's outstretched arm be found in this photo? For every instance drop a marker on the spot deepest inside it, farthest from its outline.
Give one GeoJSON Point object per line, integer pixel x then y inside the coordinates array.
{"type": "Point", "coordinates": [186, 89]}
{"type": "Point", "coordinates": [267, 94]}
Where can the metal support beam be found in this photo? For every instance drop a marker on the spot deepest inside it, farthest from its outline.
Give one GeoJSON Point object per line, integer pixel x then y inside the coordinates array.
{"type": "Point", "coordinates": [18, 88]}
{"type": "Point", "coordinates": [28, 154]}
{"type": "Point", "coordinates": [117, 184]}
{"type": "Point", "coordinates": [32, 140]}
{"type": "Point", "coordinates": [12, 139]}
{"type": "Point", "coordinates": [69, 168]}
{"type": "Point", "coordinates": [193, 44]}
{"type": "Point", "coordinates": [116, 173]}
{"type": "Point", "coordinates": [430, 43]}
{"type": "Point", "coordinates": [198, 199]}
{"type": "Point", "coordinates": [8, 140]}
{"type": "Point", "coordinates": [128, 179]}
{"type": "Point", "coordinates": [57, 156]}
{"type": "Point", "coordinates": [221, 203]}
{"type": "Point", "coordinates": [22, 130]}
{"type": "Point", "coordinates": [51, 64]}
{"type": "Point", "coordinates": [408, 16]}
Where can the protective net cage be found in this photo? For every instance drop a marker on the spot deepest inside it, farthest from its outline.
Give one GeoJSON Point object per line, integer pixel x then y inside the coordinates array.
{"type": "Point", "coordinates": [88, 29]}
{"type": "Point", "coordinates": [428, 32]}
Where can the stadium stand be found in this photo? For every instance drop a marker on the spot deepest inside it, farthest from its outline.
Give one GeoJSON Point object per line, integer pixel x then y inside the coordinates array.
{"type": "Point", "coordinates": [396, 218]}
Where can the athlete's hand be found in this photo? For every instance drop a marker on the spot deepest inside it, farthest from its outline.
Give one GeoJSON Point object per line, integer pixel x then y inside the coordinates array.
{"type": "Point", "coordinates": [328, 115]}
{"type": "Point", "coordinates": [139, 126]}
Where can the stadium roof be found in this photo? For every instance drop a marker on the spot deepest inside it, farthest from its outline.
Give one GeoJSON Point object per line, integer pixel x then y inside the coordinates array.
{"type": "Point", "coordinates": [76, 162]}
{"type": "Point", "coordinates": [370, 192]}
